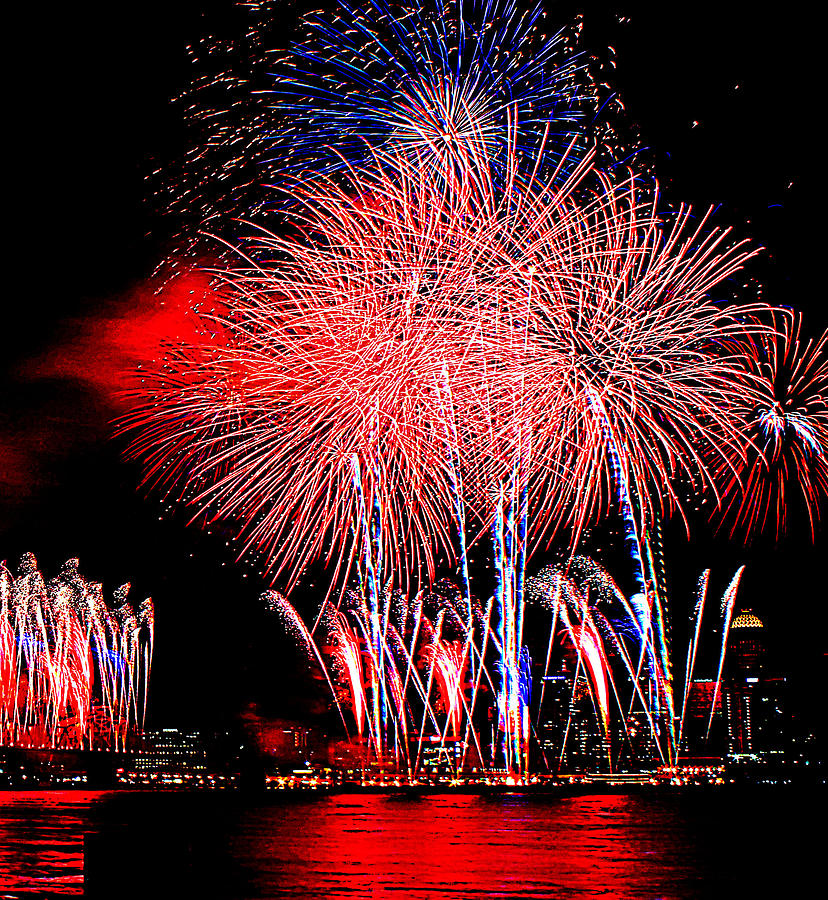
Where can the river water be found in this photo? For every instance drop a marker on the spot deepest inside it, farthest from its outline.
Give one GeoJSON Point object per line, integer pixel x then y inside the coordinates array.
{"type": "Point", "coordinates": [751, 843]}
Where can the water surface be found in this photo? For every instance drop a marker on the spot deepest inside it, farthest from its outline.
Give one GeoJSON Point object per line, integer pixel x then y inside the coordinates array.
{"type": "Point", "coordinates": [719, 843]}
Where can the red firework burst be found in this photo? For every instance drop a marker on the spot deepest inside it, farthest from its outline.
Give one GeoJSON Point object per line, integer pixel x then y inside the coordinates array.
{"type": "Point", "coordinates": [418, 341]}
{"type": "Point", "coordinates": [786, 461]}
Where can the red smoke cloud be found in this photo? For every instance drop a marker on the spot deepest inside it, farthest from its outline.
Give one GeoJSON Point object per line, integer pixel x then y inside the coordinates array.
{"type": "Point", "coordinates": [106, 351]}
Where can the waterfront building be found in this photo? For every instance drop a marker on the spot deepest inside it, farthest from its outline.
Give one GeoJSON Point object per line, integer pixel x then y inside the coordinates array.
{"type": "Point", "coordinates": [703, 734]}
{"type": "Point", "coordinates": [585, 748]}
{"type": "Point", "coordinates": [171, 750]}
{"type": "Point", "coordinates": [754, 699]}
{"type": "Point", "coordinates": [440, 758]}
{"type": "Point", "coordinates": [170, 757]}
{"type": "Point", "coordinates": [570, 735]}
{"type": "Point", "coordinates": [557, 692]}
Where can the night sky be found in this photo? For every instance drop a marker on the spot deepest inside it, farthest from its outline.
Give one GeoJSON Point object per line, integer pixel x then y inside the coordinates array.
{"type": "Point", "coordinates": [726, 103]}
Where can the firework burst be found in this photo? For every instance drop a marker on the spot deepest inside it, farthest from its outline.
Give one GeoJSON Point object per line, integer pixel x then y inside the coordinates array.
{"type": "Point", "coordinates": [786, 422]}
{"type": "Point", "coordinates": [431, 80]}
{"type": "Point", "coordinates": [434, 80]}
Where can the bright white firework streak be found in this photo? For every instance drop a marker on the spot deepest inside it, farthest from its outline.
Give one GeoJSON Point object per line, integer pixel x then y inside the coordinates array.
{"type": "Point", "coordinates": [279, 604]}
{"type": "Point", "coordinates": [458, 494]}
{"type": "Point", "coordinates": [592, 648]}
{"type": "Point", "coordinates": [515, 705]}
{"type": "Point", "coordinates": [639, 600]}
{"type": "Point", "coordinates": [457, 491]}
{"type": "Point", "coordinates": [590, 655]}
{"type": "Point", "coordinates": [385, 654]}
{"type": "Point", "coordinates": [146, 612]}
{"type": "Point", "coordinates": [510, 561]}
{"type": "Point", "coordinates": [500, 612]}
{"type": "Point", "coordinates": [373, 594]}
{"type": "Point", "coordinates": [728, 599]}
{"type": "Point", "coordinates": [349, 657]}
{"type": "Point", "coordinates": [691, 652]}
{"type": "Point", "coordinates": [520, 564]}
{"type": "Point", "coordinates": [523, 687]}
{"type": "Point", "coordinates": [525, 690]}
{"type": "Point", "coordinates": [508, 695]}
{"type": "Point", "coordinates": [664, 671]}
{"type": "Point", "coordinates": [527, 674]}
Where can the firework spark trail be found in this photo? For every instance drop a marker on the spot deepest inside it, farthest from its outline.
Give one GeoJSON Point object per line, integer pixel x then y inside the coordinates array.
{"type": "Point", "coordinates": [509, 562]}
{"type": "Point", "coordinates": [423, 692]}
{"type": "Point", "coordinates": [591, 647]}
{"type": "Point", "coordinates": [424, 282]}
{"type": "Point", "coordinates": [554, 602]}
{"type": "Point", "coordinates": [481, 670]}
{"type": "Point", "coordinates": [624, 315]}
{"type": "Point", "coordinates": [347, 658]}
{"type": "Point", "coordinates": [277, 603]}
{"type": "Point", "coordinates": [639, 600]}
{"type": "Point", "coordinates": [698, 612]}
{"type": "Point", "coordinates": [571, 592]}
{"type": "Point", "coordinates": [371, 586]}
{"type": "Point", "coordinates": [633, 673]}
{"type": "Point", "coordinates": [728, 601]}
{"type": "Point", "coordinates": [287, 343]}
{"type": "Point", "coordinates": [427, 708]}
{"type": "Point", "coordinates": [661, 645]}
{"type": "Point", "coordinates": [350, 644]}
{"type": "Point", "coordinates": [73, 673]}
{"type": "Point", "coordinates": [568, 601]}
{"type": "Point", "coordinates": [619, 441]}
{"type": "Point", "coordinates": [786, 421]}
{"type": "Point", "coordinates": [458, 494]}
{"type": "Point", "coordinates": [325, 345]}
{"type": "Point", "coordinates": [448, 658]}
{"type": "Point", "coordinates": [146, 620]}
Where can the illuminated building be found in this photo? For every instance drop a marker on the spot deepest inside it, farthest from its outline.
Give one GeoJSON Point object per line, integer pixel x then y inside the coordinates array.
{"type": "Point", "coordinates": [285, 744]}
{"type": "Point", "coordinates": [585, 748]}
{"type": "Point", "coordinates": [636, 743]}
{"type": "Point", "coordinates": [703, 735]}
{"type": "Point", "coordinates": [441, 758]}
{"type": "Point", "coordinates": [754, 702]}
{"type": "Point", "coordinates": [570, 737]}
{"type": "Point", "coordinates": [745, 643]}
{"type": "Point", "coordinates": [171, 751]}
{"type": "Point", "coordinates": [172, 758]}
{"type": "Point", "coordinates": [556, 698]}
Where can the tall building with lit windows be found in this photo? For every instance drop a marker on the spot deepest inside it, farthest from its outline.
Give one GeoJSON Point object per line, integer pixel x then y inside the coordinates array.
{"type": "Point", "coordinates": [171, 750]}
{"type": "Point", "coordinates": [570, 737]}
{"type": "Point", "coordinates": [753, 699]}
{"type": "Point", "coordinates": [556, 694]}
{"type": "Point", "coordinates": [703, 730]}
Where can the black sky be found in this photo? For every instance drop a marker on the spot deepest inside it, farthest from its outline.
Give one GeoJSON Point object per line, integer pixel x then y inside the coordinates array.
{"type": "Point", "coordinates": [726, 99]}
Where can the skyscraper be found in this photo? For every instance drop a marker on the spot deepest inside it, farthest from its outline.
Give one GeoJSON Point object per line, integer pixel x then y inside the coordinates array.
{"type": "Point", "coordinates": [754, 699]}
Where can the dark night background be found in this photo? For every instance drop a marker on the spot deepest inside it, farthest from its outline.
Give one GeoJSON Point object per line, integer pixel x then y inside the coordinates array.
{"type": "Point", "coordinates": [93, 117]}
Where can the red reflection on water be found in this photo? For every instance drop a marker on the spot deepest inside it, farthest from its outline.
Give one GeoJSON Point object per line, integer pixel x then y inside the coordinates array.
{"type": "Point", "coordinates": [461, 846]}
{"type": "Point", "coordinates": [41, 842]}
